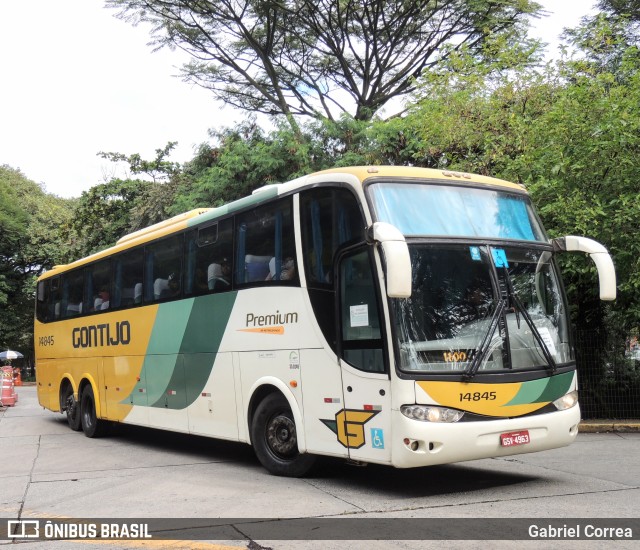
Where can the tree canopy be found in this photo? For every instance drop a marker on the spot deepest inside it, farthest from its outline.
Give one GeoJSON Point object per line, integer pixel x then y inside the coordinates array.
{"type": "Point", "coordinates": [320, 58]}
{"type": "Point", "coordinates": [32, 228]}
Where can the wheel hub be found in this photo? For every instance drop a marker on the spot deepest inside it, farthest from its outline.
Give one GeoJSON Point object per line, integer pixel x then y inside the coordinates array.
{"type": "Point", "coordinates": [281, 436]}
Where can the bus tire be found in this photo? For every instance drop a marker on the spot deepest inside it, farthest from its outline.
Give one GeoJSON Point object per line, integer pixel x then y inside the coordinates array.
{"type": "Point", "coordinates": [274, 440]}
{"type": "Point", "coordinates": [69, 404]}
{"type": "Point", "coordinates": [92, 426]}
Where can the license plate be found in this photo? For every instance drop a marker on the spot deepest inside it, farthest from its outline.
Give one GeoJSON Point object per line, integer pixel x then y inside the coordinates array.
{"type": "Point", "coordinates": [514, 438]}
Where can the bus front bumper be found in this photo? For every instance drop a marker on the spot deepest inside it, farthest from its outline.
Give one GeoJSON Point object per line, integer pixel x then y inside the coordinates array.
{"type": "Point", "coordinates": [417, 443]}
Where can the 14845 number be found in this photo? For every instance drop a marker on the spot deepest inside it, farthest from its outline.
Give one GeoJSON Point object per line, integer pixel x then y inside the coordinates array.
{"type": "Point", "coordinates": [478, 396]}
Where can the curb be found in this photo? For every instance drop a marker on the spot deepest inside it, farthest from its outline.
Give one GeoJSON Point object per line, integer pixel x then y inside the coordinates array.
{"type": "Point", "coordinates": [603, 426]}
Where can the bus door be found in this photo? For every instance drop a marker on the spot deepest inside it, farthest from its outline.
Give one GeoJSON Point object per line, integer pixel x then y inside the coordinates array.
{"type": "Point", "coordinates": [363, 425]}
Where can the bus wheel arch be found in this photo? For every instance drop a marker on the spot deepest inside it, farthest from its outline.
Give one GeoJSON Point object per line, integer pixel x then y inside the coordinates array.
{"type": "Point", "coordinates": [69, 404]}
{"type": "Point", "coordinates": [273, 428]}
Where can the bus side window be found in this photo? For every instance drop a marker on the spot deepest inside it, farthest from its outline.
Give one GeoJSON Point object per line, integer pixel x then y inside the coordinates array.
{"type": "Point", "coordinates": [362, 344]}
{"type": "Point", "coordinates": [55, 298]}
{"type": "Point", "coordinates": [330, 218]}
{"type": "Point", "coordinates": [97, 287]}
{"type": "Point", "coordinates": [127, 273]}
{"type": "Point", "coordinates": [163, 268]}
{"type": "Point", "coordinates": [42, 301]}
{"type": "Point", "coordinates": [72, 293]}
{"type": "Point", "coordinates": [265, 247]}
{"type": "Point", "coordinates": [208, 253]}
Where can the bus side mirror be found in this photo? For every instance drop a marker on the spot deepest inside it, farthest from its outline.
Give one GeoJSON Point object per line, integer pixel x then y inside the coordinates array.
{"type": "Point", "coordinates": [599, 255]}
{"type": "Point", "coordinates": [396, 254]}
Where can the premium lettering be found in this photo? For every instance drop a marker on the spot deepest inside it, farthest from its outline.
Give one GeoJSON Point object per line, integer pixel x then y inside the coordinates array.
{"type": "Point", "coordinates": [105, 334]}
{"type": "Point", "coordinates": [269, 320]}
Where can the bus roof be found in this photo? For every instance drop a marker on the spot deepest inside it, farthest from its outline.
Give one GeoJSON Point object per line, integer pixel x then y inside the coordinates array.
{"type": "Point", "coordinates": [351, 174]}
{"type": "Point", "coordinates": [362, 173]}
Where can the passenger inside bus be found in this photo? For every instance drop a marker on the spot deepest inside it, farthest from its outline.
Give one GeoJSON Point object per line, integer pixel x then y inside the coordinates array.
{"type": "Point", "coordinates": [102, 300]}
{"type": "Point", "coordinates": [287, 269]}
{"type": "Point", "coordinates": [173, 287]}
{"type": "Point", "coordinates": [219, 275]}
{"type": "Point", "coordinates": [166, 288]}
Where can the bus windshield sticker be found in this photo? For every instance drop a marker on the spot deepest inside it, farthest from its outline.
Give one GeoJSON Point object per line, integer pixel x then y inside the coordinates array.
{"type": "Point", "coordinates": [499, 257]}
{"type": "Point", "coordinates": [475, 253]}
{"type": "Point", "coordinates": [547, 339]}
{"type": "Point", "coordinates": [359, 315]}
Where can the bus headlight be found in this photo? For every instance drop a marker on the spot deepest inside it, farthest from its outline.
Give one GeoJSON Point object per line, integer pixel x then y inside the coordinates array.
{"type": "Point", "coordinates": [567, 401]}
{"type": "Point", "coordinates": [429, 413]}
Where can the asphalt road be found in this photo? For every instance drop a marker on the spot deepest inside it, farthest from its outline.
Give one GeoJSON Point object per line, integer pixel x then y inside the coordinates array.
{"type": "Point", "coordinates": [51, 472]}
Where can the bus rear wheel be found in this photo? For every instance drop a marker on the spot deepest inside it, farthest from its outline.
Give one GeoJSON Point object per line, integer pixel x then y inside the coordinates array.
{"type": "Point", "coordinates": [69, 404]}
{"type": "Point", "coordinates": [92, 426]}
{"type": "Point", "coordinates": [275, 441]}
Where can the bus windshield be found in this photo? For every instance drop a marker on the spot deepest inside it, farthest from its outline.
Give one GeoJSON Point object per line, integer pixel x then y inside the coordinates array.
{"type": "Point", "coordinates": [455, 211]}
{"type": "Point", "coordinates": [501, 308]}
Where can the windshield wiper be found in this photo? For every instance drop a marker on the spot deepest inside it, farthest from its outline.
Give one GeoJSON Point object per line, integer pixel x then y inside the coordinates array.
{"type": "Point", "coordinates": [482, 349]}
{"type": "Point", "coordinates": [519, 307]}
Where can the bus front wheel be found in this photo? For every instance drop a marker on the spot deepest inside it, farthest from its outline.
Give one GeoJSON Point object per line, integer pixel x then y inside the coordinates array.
{"type": "Point", "coordinates": [92, 426]}
{"type": "Point", "coordinates": [274, 439]}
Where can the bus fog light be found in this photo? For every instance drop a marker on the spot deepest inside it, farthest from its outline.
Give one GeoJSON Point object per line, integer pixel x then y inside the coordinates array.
{"type": "Point", "coordinates": [567, 401]}
{"type": "Point", "coordinates": [411, 444]}
{"type": "Point", "coordinates": [429, 413]}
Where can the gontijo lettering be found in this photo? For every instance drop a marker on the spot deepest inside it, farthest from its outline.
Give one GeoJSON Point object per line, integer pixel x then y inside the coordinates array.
{"type": "Point", "coordinates": [105, 334]}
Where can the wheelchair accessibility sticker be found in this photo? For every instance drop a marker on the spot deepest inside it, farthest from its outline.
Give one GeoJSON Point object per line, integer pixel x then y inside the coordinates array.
{"type": "Point", "coordinates": [377, 438]}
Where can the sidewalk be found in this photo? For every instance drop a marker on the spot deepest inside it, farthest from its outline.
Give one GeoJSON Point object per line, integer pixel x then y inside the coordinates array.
{"type": "Point", "coordinates": [600, 426]}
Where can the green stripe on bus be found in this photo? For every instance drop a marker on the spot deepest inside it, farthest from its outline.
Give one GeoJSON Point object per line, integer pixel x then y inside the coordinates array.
{"type": "Point", "coordinates": [205, 330]}
{"type": "Point", "coordinates": [544, 390]}
{"type": "Point", "coordinates": [161, 355]}
{"type": "Point", "coordinates": [201, 334]}
{"type": "Point", "coordinates": [557, 387]}
{"type": "Point", "coordinates": [207, 323]}
{"type": "Point", "coordinates": [529, 392]}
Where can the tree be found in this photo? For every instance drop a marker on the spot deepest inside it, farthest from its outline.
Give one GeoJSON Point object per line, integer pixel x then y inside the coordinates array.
{"type": "Point", "coordinates": [626, 8]}
{"type": "Point", "coordinates": [110, 210]}
{"type": "Point", "coordinates": [159, 169]}
{"type": "Point", "coordinates": [103, 214]}
{"type": "Point", "coordinates": [32, 228]}
{"type": "Point", "coordinates": [320, 58]}
{"type": "Point", "coordinates": [242, 159]}
{"type": "Point", "coordinates": [151, 202]}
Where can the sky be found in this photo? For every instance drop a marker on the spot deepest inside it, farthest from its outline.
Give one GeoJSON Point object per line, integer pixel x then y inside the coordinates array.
{"type": "Point", "coordinates": [76, 81]}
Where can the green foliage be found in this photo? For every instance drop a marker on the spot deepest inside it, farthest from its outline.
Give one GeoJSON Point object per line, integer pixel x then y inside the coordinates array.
{"type": "Point", "coordinates": [103, 214]}
{"type": "Point", "coordinates": [110, 210]}
{"type": "Point", "coordinates": [625, 8]}
{"type": "Point", "coordinates": [245, 157]}
{"type": "Point", "coordinates": [159, 168]}
{"type": "Point", "coordinates": [570, 132]}
{"type": "Point", "coordinates": [32, 225]}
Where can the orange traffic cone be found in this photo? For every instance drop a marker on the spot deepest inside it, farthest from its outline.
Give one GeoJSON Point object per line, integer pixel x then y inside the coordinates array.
{"type": "Point", "coordinates": [9, 396]}
{"type": "Point", "coordinates": [17, 376]}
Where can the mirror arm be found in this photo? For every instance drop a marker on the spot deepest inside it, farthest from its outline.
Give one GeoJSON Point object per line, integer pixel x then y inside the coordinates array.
{"type": "Point", "coordinates": [600, 256]}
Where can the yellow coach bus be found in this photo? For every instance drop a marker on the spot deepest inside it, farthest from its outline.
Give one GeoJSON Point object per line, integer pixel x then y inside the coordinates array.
{"type": "Point", "coordinates": [390, 315]}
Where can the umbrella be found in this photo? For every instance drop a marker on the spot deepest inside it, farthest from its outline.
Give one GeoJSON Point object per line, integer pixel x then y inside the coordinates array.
{"type": "Point", "coordinates": [9, 354]}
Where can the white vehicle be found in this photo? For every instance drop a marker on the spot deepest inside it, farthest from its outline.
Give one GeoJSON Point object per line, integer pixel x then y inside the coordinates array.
{"type": "Point", "coordinates": [391, 315]}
